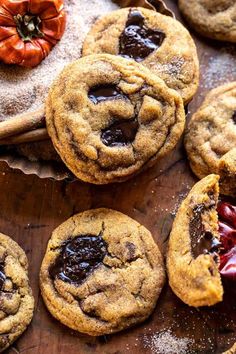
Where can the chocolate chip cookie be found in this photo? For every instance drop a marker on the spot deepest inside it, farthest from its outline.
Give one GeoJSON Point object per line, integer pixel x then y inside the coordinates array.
{"type": "Point", "coordinates": [194, 245]}
{"type": "Point", "coordinates": [212, 18]}
{"type": "Point", "coordinates": [211, 137]}
{"type": "Point", "coordinates": [202, 245]}
{"type": "Point", "coordinates": [16, 300]}
{"type": "Point", "coordinates": [109, 118]}
{"type": "Point", "coordinates": [102, 272]}
{"type": "Point", "coordinates": [232, 350]}
{"type": "Point", "coordinates": [157, 41]}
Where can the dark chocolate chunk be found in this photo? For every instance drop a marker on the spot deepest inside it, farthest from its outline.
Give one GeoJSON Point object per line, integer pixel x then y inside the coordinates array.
{"type": "Point", "coordinates": [234, 117]}
{"type": "Point", "coordinates": [202, 241]}
{"type": "Point", "coordinates": [78, 258]}
{"type": "Point", "coordinates": [131, 250]}
{"type": "Point", "coordinates": [103, 93]}
{"type": "Point", "coordinates": [138, 41]}
{"type": "Point", "coordinates": [2, 276]}
{"type": "Point", "coordinates": [120, 133]}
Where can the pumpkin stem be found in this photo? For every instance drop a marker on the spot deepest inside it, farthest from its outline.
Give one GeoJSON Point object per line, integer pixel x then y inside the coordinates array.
{"type": "Point", "coordinates": [28, 27]}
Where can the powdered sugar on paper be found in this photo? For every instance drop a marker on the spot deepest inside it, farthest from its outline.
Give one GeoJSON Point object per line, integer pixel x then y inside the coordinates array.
{"type": "Point", "coordinates": [24, 89]}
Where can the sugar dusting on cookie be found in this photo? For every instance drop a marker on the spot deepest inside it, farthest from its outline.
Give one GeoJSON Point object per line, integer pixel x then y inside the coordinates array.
{"type": "Point", "coordinates": [166, 342]}
{"type": "Point", "coordinates": [27, 88]}
{"type": "Point", "coordinates": [173, 68]}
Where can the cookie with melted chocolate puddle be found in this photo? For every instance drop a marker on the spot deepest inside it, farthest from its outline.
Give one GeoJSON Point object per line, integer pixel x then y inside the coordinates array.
{"type": "Point", "coordinates": [102, 272]}
{"type": "Point", "coordinates": [110, 118]}
{"type": "Point", "coordinates": [202, 246]}
{"type": "Point", "coordinates": [194, 244]}
{"type": "Point", "coordinates": [157, 41]}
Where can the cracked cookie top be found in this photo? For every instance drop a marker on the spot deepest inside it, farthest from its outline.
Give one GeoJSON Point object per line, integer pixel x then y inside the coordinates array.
{"type": "Point", "coordinates": [194, 245]}
{"type": "Point", "coordinates": [102, 272]}
{"type": "Point", "coordinates": [212, 18]}
{"type": "Point", "coordinates": [211, 137]}
{"type": "Point", "coordinates": [157, 41]}
{"type": "Point", "coordinates": [109, 117]}
{"type": "Point", "coordinates": [16, 300]}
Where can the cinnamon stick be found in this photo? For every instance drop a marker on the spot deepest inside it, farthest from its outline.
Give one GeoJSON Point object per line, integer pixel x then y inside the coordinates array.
{"type": "Point", "coordinates": [22, 123]}
{"type": "Point", "coordinates": [160, 6]}
{"type": "Point", "coordinates": [157, 5]}
{"type": "Point", "coordinates": [28, 137]}
{"type": "Point", "coordinates": [130, 3]}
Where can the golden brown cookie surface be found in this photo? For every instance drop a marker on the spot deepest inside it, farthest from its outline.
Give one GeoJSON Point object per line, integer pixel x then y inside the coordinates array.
{"type": "Point", "coordinates": [159, 42]}
{"type": "Point", "coordinates": [16, 300]}
{"type": "Point", "coordinates": [212, 18]}
{"type": "Point", "coordinates": [211, 137]}
{"type": "Point", "coordinates": [192, 258]}
{"type": "Point", "coordinates": [102, 272]}
{"type": "Point", "coordinates": [109, 118]}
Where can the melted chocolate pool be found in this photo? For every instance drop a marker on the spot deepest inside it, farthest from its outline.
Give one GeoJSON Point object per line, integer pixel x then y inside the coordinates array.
{"type": "Point", "coordinates": [2, 276]}
{"type": "Point", "coordinates": [78, 258]}
{"type": "Point", "coordinates": [103, 93]}
{"type": "Point", "coordinates": [138, 41]}
{"type": "Point", "coordinates": [203, 242]}
{"type": "Point", "coordinates": [120, 133]}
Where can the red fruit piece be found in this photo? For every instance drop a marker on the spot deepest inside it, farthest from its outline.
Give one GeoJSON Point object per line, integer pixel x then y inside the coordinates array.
{"type": "Point", "coordinates": [227, 230]}
{"type": "Point", "coordinates": [227, 213]}
{"type": "Point", "coordinates": [227, 236]}
{"type": "Point", "coordinates": [228, 264]}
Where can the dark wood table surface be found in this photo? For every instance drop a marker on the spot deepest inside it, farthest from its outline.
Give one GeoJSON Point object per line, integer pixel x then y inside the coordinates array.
{"type": "Point", "coordinates": [30, 208]}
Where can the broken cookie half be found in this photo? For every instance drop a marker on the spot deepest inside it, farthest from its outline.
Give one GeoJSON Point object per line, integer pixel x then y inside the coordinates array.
{"type": "Point", "coordinates": [202, 245]}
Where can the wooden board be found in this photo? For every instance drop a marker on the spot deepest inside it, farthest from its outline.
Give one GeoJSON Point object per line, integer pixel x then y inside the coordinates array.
{"type": "Point", "coordinates": [30, 208]}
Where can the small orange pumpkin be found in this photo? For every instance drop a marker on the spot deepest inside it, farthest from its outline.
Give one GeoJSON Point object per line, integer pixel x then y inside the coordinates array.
{"type": "Point", "coordinates": [29, 29]}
